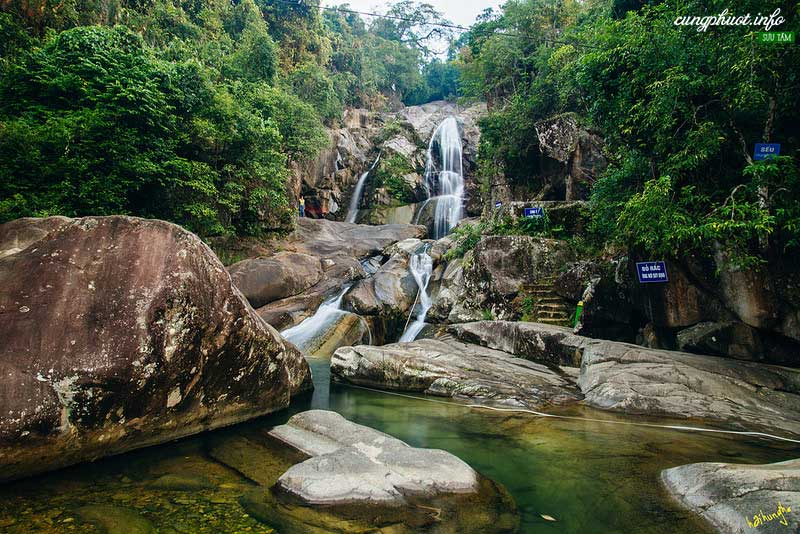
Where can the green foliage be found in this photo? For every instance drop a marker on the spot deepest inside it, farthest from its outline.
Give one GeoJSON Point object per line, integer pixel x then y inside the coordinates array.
{"type": "Point", "coordinates": [465, 237]}
{"type": "Point", "coordinates": [389, 174]}
{"type": "Point", "coordinates": [189, 111]}
{"type": "Point", "coordinates": [97, 121]}
{"type": "Point", "coordinates": [680, 111]}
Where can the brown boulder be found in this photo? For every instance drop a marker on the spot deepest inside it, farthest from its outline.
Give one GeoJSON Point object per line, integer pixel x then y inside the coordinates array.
{"type": "Point", "coordinates": [285, 274]}
{"type": "Point", "coordinates": [119, 333]}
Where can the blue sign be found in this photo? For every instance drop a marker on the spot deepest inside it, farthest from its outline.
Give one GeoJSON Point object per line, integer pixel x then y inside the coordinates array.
{"type": "Point", "coordinates": [766, 150]}
{"type": "Point", "coordinates": [534, 213]}
{"type": "Point", "coordinates": [651, 271]}
{"type": "Point", "coordinates": [498, 204]}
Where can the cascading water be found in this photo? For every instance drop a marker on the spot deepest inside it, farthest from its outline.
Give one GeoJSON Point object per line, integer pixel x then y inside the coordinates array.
{"type": "Point", "coordinates": [421, 267]}
{"type": "Point", "coordinates": [355, 200]}
{"type": "Point", "coordinates": [446, 184]}
{"type": "Point", "coordinates": [309, 335]}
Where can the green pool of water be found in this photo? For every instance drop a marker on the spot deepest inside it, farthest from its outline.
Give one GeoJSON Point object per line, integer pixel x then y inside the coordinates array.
{"type": "Point", "coordinates": [590, 476]}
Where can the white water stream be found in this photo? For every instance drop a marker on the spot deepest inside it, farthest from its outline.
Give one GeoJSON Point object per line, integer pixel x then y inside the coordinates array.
{"type": "Point", "coordinates": [445, 182]}
{"type": "Point", "coordinates": [355, 200]}
{"type": "Point", "coordinates": [421, 267]}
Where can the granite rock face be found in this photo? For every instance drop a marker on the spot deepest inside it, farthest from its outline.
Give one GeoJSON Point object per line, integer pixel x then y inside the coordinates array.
{"type": "Point", "coordinates": [633, 379]}
{"type": "Point", "coordinates": [355, 464]}
{"type": "Point", "coordinates": [336, 247]}
{"type": "Point", "coordinates": [736, 498]}
{"type": "Point", "coordinates": [264, 280]}
{"type": "Point", "coordinates": [454, 369]}
{"type": "Point", "coordinates": [119, 333]}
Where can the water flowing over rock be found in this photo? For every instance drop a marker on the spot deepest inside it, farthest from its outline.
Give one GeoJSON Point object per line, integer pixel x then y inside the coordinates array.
{"type": "Point", "coordinates": [737, 499]}
{"type": "Point", "coordinates": [450, 368]}
{"type": "Point", "coordinates": [421, 267]}
{"type": "Point", "coordinates": [121, 333]}
{"type": "Point", "coordinates": [329, 328]}
{"type": "Point", "coordinates": [355, 200]}
{"type": "Point", "coordinates": [337, 247]}
{"type": "Point", "coordinates": [444, 176]}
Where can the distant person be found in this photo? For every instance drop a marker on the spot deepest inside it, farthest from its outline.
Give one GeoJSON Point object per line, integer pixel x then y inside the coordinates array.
{"type": "Point", "coordinates": [302, 203]}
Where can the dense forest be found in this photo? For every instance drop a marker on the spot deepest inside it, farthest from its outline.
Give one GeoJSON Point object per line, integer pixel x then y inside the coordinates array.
{"type": "Point", "coordinates": [680, 111]}
{"type": "Point", "coordinates": [195, 111]}
{"type": "Point", "coordinates": [190, 111]}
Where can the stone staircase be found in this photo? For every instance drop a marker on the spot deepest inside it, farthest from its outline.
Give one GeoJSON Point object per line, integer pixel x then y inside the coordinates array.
{"type": "Point", "coordinates": [549, 308]}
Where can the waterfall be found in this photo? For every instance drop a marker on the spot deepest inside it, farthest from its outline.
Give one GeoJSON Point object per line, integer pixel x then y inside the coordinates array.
{"type": "Point", "coordinates": [355, 200]}
{"type": "Point", "coordinates": [309, 336]}
{"type": "Point", "coordinates": [445, 185]}
{"type": "Point", "coordinates": [421, 267]}
{"type": "Point", "coordinates": [327, 314]}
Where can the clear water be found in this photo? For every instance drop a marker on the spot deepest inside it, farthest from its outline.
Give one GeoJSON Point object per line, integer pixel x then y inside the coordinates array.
{"type": "Point", "coordinates": [589, 476]}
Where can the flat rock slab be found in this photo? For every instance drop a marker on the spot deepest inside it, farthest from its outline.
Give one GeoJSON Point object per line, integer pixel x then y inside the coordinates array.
{"type": "Point", "coordinates": [323, 238]}
{"type": "Point", "coordinates": [454, 369]}
{"type": "Point", "coordinates": [740, 498]}
{"type": "Point", "coordinates": [355, 464]}
{"type": "Point", "coordinates": [634, 379]}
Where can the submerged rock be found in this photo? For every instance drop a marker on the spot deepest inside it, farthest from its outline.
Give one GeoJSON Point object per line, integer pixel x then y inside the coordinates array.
{"type": "Point", "coordinates": [120, 333]}
{"type": "Point", "coordinates": [453, 369]}
{"type": "Point", "coordinates": [116, 519]}
{"type": "Point", "coordinates": [351, 463]}
{"type": "Point", "coordinates": [740, 498]}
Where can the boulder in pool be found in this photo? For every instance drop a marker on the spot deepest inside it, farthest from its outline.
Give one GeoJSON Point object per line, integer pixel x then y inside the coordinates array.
{"type": "Point", "coordinates": [634, 379]}
{"type": "Point", "coordinates": [355, 464]}
{"type": "Point", "coordinates": [450, 368]}
{"type": "Point", "coordinates": [119, 333]}
{"type": "Point", "coordinates": [738, 498]}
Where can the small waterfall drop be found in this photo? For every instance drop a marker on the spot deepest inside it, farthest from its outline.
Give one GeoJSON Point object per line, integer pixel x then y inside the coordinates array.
{"type": "Point", "coordinates": [355, 200]}
{"type": "Point", "coordinates": [446, 184]}
{"type": "Point", "coordinates": [421, 267]}
{"type": "Point", "coordinates": [309, 336]}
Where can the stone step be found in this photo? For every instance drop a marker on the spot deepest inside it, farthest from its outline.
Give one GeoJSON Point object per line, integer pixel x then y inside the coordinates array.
{"type": "Point", "coordinates": [552, 314]}
{"type": "Point", "coordinates": [552, 306]}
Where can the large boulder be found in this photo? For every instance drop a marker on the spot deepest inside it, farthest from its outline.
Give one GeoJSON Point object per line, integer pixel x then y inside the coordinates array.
{"type": "Point", "coordinates": [738, 499]}
{"type": "Point", "coordinates": [629, 378]}
{"type": "Point", "coordinates": [351, 463]}
{"type": "Point", "coordinates": [357, 479]}
{"type": "Point", "coordinates": [603, 287]}
{"type": "Point", "coordinates": [551, 345]}
{"type": "Point", "coordinates": [329, 238]}
{"type": "Point", "coordinates": [562, 139]}
{"type": "Point", "coordinates": [120, 333]}
{"type": "Point", "coordinates": [285, 274]}
{"type": "Point", "coordinates": [742, 395]}
{"type": "Point", "coordinates": [453, 369]}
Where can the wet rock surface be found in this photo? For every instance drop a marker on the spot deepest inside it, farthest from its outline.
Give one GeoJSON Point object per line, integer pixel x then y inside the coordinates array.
{"type": "Point", "coordinates": [737, 498]}
{"type": "Point", "coordinates": [123, 332]}
{"type": "Point", "coordinates": [454, 369]}
{"type": "Point", "coordinates": [337, 247]}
